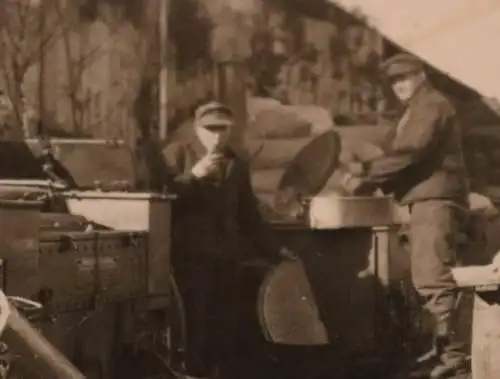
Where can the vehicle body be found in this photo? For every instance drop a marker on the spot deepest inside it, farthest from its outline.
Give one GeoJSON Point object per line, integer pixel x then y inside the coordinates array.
{"type": "Point", "coordinates": [104, 284]}
{"type": "Point", "coordinates": [98, 260]}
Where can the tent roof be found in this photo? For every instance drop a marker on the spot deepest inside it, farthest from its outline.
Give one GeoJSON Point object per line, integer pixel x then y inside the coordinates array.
{"type": "Point", "coordinates": [451, 35]}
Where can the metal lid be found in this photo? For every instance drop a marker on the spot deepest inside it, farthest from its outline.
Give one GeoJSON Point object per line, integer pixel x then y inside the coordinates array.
{"type": "Point", "coordinates": [90, 163]}
{"type": "Point", "coordinates": [18, 162]}
{"type": "Point", "coordinates": [310, 169]}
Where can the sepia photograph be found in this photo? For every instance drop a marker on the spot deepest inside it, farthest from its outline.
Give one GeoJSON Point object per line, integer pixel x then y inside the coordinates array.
{"type": "Point", "coordinates": [249, 189]}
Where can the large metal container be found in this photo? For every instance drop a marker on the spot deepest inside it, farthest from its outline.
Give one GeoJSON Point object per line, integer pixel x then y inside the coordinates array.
{"type": "Point", "coordinates": [81, 269]}
{"type": "Point", "coordinates": [120, 210]}
{"type": "Point", "coordinates": [130, 212]}
{"type": "Point", "coordinates": [347, 290]}
{"type": "Point", "coordinates": [111, 163]}
{"type": "Point", "coordinates": [331, 211]}
{"type": "Point", "coordinates": [340, 290]}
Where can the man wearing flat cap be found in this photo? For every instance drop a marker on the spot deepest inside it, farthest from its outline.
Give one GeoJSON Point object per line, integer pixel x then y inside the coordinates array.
{"type": "Point", "coordinates": [423, 167]}
{"type": "Point", "coordinates": [216, 226]}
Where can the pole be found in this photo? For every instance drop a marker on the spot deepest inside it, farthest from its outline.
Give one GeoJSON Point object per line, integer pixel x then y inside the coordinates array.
{"type": "Point", "coordinates": [25, 341]}
{"type": "Point", "coordinates": [43, 358]}
{"type": "Point", "coordinates": [232, 92]}
{"type": "Point", "coordinates": [163, 76]}
{"type": "Point", "coordinates": [41, 73]}
{"type": "Point", "coordinates": [231, 48]}
{"type": "Point", "coordinates": [485, 344]}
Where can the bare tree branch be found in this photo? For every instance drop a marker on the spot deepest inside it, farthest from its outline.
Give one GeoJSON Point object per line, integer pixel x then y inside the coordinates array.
{"type": "Point", "coordinates": [21, 44]}
{"type": "Point", "coordinates": [78, 62]}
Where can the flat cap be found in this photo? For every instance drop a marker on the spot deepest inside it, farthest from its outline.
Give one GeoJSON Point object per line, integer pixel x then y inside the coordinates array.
{"type": "Point", "coordinates": [402, 64]}
{"type": "Point", "coordinates": [213, 113]}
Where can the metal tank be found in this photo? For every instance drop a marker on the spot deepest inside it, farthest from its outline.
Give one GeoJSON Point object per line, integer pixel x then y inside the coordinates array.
{"type": "Point", "coordinates": [348, 294]}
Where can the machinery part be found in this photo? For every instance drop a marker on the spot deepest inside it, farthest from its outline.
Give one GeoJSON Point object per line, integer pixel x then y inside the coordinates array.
{"type": "Point", "coordinates": [5, 360]}
{"type": "Point", "coordinates": [304, 175]}
{"type": "Point", "coordinates": [145, 213]}
{"type": "Point", "coordinates": [32, 183]}
{"type": "Point", "coordinates": [28, 342]}
{"type": "Point", "coordinates": [159, 351]}
{"type": "Point", "coordinates": [175, 336]}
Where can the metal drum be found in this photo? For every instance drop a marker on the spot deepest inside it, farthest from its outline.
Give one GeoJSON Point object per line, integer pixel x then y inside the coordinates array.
{"type": "Point", "coordinates": [339, 292]}
{"type": "Point", "coordinates": [280, 322]}
{"type": "Point", "coordinates": [302, 164]}
{"type": "Point", "coordinates": [289, 314]}
{"type": "Point", "coordinates": [309, 186]}
{"type": "Point", "coordinates": [335, 294]}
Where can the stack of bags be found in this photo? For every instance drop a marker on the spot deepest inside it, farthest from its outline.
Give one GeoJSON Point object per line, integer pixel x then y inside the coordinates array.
{"type": "Point", "coordinates": [275, 135]}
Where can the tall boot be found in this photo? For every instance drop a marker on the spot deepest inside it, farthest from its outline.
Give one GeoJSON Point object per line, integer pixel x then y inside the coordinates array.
{"type": "Point", "coordinates": [452, 359]}
{"type": "Point", "coordinates": [424, 364]}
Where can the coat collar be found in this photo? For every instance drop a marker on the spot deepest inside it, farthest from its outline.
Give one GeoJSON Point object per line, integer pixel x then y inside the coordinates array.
{"type": "Point", "coordinates": [420, 93]}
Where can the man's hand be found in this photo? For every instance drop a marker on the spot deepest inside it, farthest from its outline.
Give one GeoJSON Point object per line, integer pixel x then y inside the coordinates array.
{"type": "Point", "coordinates": [355, 168]}
{"type": "Point", "coordinates": [350, 183]}
{"type": "Point", "coordinates": [355, 185]}
{"type": "Point", "coordinates": [287, 254]}
{"type": "Point", "coordinates": [208, 165]}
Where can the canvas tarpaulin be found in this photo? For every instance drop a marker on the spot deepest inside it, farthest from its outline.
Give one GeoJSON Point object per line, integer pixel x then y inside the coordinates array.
{"type": "Point", "coordinates": [457, 37]}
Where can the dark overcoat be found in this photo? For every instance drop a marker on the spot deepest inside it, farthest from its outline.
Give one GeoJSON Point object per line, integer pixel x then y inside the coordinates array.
{"type": "Point", "coordinates": [216, 226]}
{"type": "Point", "coordinates": [214, 219]}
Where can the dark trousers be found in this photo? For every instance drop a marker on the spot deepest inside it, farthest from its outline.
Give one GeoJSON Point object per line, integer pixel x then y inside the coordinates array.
{"type": "Point", "coordinates": [435, 226]}
{"type": "Point", "coordinates": [210, 292]}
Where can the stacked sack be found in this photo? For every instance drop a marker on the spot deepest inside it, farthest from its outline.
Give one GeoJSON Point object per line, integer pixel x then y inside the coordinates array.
{"type": "Point", "coordinates": [276, 134]}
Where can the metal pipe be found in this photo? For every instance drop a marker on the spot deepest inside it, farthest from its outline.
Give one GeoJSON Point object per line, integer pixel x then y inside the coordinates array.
{"type": "Point", "coordinates": [77, 141]}
{"type": "Point", "coordinates": [22, 337]}
{"type": "Point", "coordinates": [25, 340]}
{"type": "Point", "coordinates": [41, 79]}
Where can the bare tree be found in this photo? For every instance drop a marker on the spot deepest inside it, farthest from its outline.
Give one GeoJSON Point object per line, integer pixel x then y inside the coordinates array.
{"type": "Point", "coordinates": [22, 40]}
{"type": "Point", "coordinates": [81, 52]}
{"type": "Point", "coordinates": [32, 35]}
{"type": "Point", "coordinates": [125, 44]}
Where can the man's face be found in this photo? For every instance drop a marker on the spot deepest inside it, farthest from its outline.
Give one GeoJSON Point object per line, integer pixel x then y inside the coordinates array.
{"type": "Point", "coordinates": [214, 137]}
{"type": "Point", "coordinates": [404, 86]}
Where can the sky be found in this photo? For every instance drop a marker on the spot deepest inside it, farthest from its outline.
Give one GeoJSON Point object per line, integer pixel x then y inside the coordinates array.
{"type": "Point", "coordinates": [458, 37]}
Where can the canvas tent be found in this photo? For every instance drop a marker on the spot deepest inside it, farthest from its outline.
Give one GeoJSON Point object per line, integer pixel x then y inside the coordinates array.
{"type": "Point", "coordinates": [456, 37]}
{"type": "Point", "coordinates": [457, 40]}
{"type": "Point", "coordinates": [452, 37]}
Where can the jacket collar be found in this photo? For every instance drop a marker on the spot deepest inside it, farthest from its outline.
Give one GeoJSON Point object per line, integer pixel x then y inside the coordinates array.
{"type": "Point", "coordinates": [420, 92]}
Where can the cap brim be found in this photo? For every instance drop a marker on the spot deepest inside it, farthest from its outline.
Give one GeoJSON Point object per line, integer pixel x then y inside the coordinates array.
{"type": "Point", "coordinates": [401, 73]}
{"type": "Point", "coordinates": [400, 69]}
{"type": "Point", "coordinates": [214, 121]}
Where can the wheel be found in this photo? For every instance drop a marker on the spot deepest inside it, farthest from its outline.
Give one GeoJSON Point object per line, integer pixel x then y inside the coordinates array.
{"type": "Point", "coordinates": [159, 350]}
